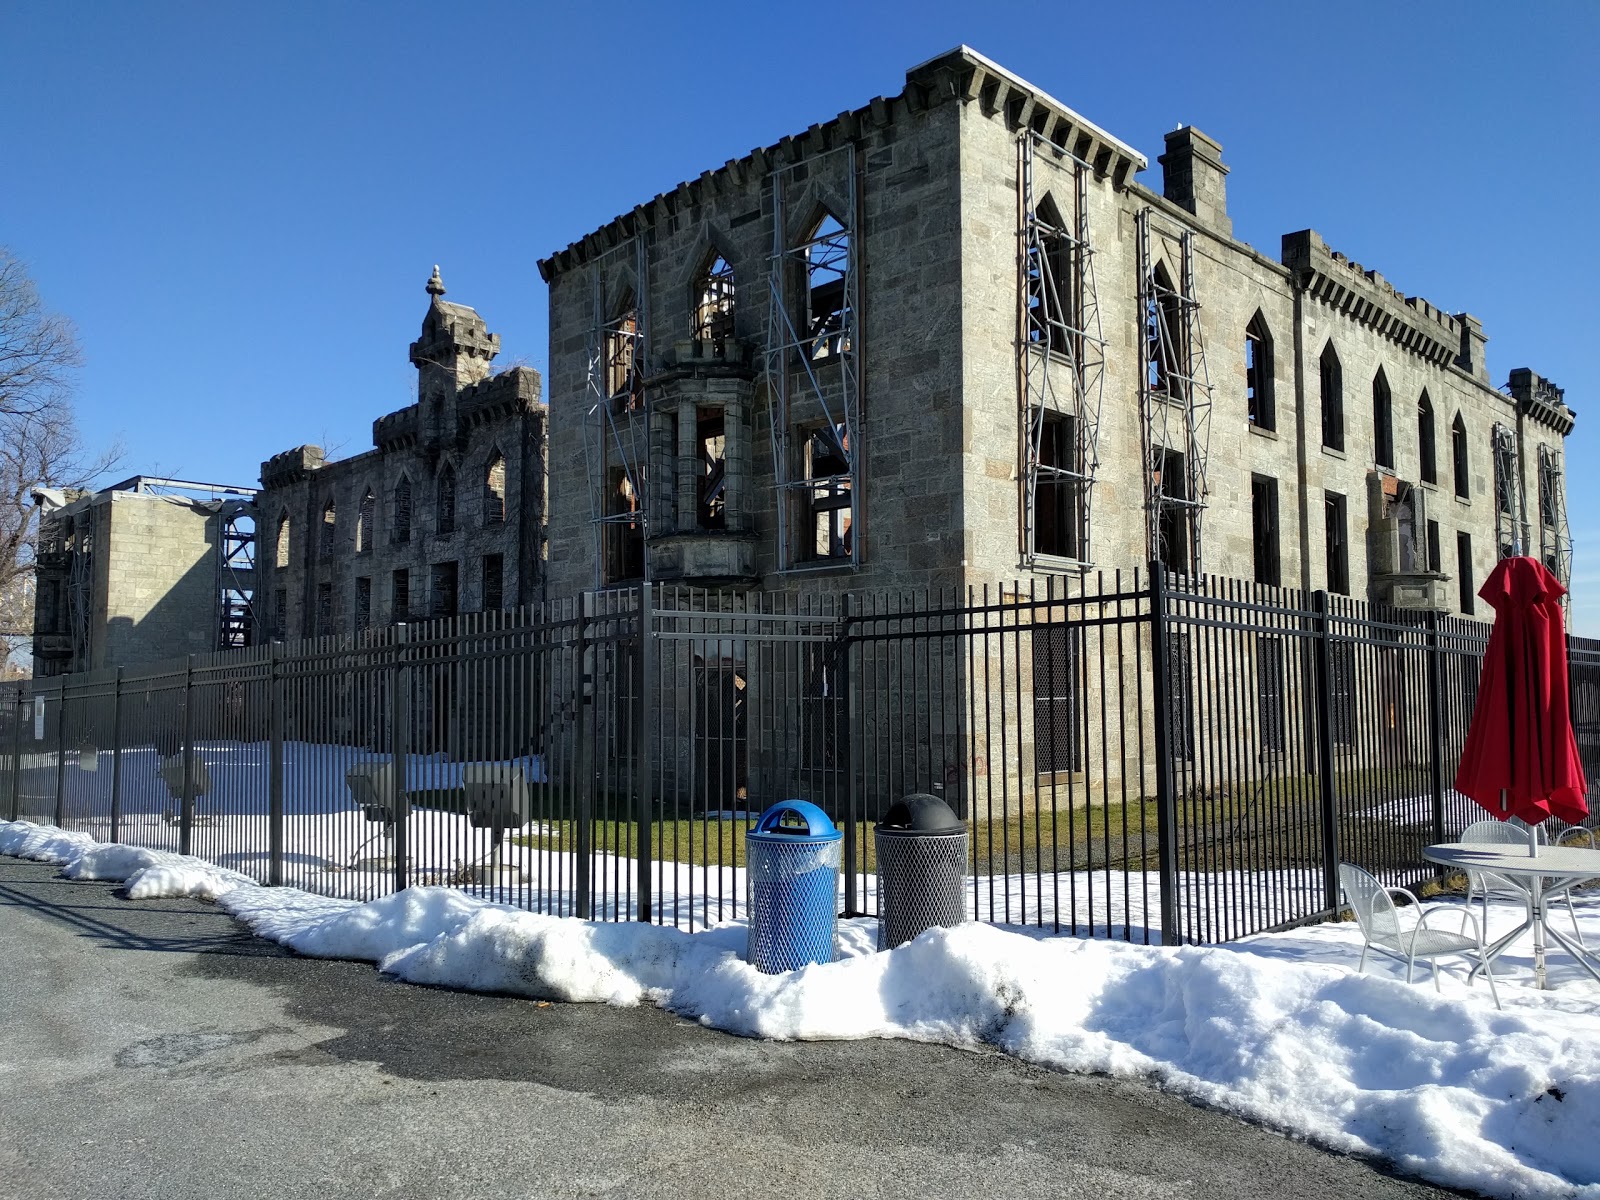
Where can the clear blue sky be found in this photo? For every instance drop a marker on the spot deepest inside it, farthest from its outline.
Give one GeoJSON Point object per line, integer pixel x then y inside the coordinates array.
{"type": "Point", "coordinates": [239, 204]}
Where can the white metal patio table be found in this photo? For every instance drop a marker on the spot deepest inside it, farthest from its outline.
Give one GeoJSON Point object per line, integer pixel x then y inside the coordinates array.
{"type": "Point", "coordinates": [1551, 872]}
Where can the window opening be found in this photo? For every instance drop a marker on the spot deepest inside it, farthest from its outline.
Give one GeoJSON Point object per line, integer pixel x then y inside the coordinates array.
{"type": "Point", "coordinates": [1173, 530]}
{"type": "Point", "coordinates": [402, 509]}
{"type": "Point", "coordinates": [824, 712]}
{"type": "Point", "coordinates": [1264, 524]}
{"type": "Point", "coordinates": [1464, 570]}
{"type": "Point", "coordinates": [1258, 377]}
{"type": "Point", "coordinates": [400, 595]}
{"type": "Point", "coordinates": [1555, 539]}
{"type": "Point", "coordinates": [1510, 536]}
{"type": "Point", "coordinates": [1425, 444]}
{"type": "Point", "coordinates": [364, 522]}
{"type": "Point", "coordinates": [712, 439]}
{"type": "Point", "coordinates": [330, 531]}
{"type": "Point", "coordinates": [445, 501]}
{"type": "Point", "coordinates": [363, 615]}
{"type": "Point", "coordinates": [1337, 549]}
{"type": "Point", "coordinates": [1458, 454]}
{"type": "Point", "coordinates": [324, 609]}
{"type": "Point", "coordinates": [1342, 693]}
{"type": "Point", "coordinates": [827, 496]}
{"type": "Point", "coordinates": [1382, 421]}
{"type": "Point", "coordinates": [1180, 692]}
{"type": "Point", "coordinates": [280, 613]}
{"type": "Point", "coordinates": [714, 307]}
{"type": "Point", "coordinates": [1332, 399]}
{"type": "Point", "coordinates": [1055, 698]}
{"type": "Point", "coordinates": [624, 540]}
{"type": "Point", "coordinates": [827, 259]}
{"type": "Point", "coordinates": [445, 589]}
{"type": "Point", "coordinates": [494, 490]}
{"type": "Point", "coordinates": [280, 552]}
{"type": "Point", "coordinates": [624, 386]}
{"type": "Point", "coordinates": [1434, 558]}
{"type": "Point", "coordinates": [493, 582]}
{"type": "Point", "coordinates": [1058, 518]}
{"type": "Point", "coordinates": [1054, 285]}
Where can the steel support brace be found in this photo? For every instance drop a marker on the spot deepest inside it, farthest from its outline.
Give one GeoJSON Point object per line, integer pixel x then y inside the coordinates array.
{"type": "Point", "coordinates": [399, 751]}
{"type": "Point", "coordinates": [852, 811]}
{"type": "Point", "coordinates": [583, 815]}
{"type": "Point", "coordinates": [186, 809]}
{"type": "Point", "coordinates": [642, 751]}
{"type": "Point", "coordinates": [116, 758]}
{"type": "Point", "coordinates": [61, 758]}
{"type": "Point", "coordinates": [277, 686]}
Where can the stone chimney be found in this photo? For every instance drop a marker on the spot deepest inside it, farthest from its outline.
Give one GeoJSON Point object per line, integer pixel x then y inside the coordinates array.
{"type": "Point", "coordinates": [1193, 177]}
{"type": "Point", "coordinates": [1471, 359]}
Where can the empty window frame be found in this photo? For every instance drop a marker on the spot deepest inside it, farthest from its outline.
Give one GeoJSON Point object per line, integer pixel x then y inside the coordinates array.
{"type": "Point", "coordinates": [711, 483]}
{"type": "Point", "coordinates": [400, 595]}
{"type": "Point", "coordinates": [824, 711]}
{"type": "Point", "coordinates": [623, 359]}
{"type": "Point", "coordinates": [1426, 446]}
{"type": "Point", "coordinates": [280, 613]}
{"type": "Point", "coordinates": [1336, 543]}
{"type": "Point", "coordinates": [1166, 346]}
{"type": "Point", "coordinates": [1055, 698]}
{"type": "Point", "coordinates": [1458, 455]}
{"type": "Point", "coordinates": [1382, 421]}
{"type": "Point", "coordinates": [1173, 513]}
{"type": "Point", "coordinates": [1054, 307]}
{"type": "Point", "coordinates": [366, 514]}
{"type": "Point", "coordinates": [826, 496]}
{"type": "Point", "coordinates": [324, 609]}
{"type": "Point", "coordinates": [624, 531]}
{"type": "Point", "coordinates": [401, 529]}
{"type": "Point", "coordinates": [328, 546]}
{"type": "Point", "coordinates": [1258, 377]}
{"type": "Point", "coordinates": [1332, 376]}
{"type": "Point", "coordinates": [444, 510]}
{"type": "Point", "coordinates": [1264, 529]}
{"type": "Point", "coordinates": [280, 546]}
{"type": "Point", "coordinates": [1180, 693]}
{"type": "Point", "coordinates": [1549, 489]}
{"type": "Point", "coordinates": [1464, 570]}
{"type": "Point", "coordinates": [1434, 559]}
{"type": "Point", "coordinates": [827, 267]}
{"type": "Point", "coordinates": [1269, 694]}
{"type": "Point", "coordinates": [494, 490]}
{"type": "Point", "coordinates": [444, 589]}
{"type": "Point", "coordinates": [494, 582]}
{"type": "Point", "coordinates": [1058, 489]}
{"type": "Point", "coordinates": [714, 306]}
{"type": "Point", "coordinates": [363, 613]}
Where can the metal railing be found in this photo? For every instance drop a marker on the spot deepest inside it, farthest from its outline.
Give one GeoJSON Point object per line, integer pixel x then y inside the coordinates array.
{"type": "Point", "coordinates": [1173, 759]}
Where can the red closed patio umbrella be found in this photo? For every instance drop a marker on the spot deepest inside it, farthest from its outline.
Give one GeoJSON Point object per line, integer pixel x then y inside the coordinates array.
{"type": "Point", "coordinates": [1521, 756]}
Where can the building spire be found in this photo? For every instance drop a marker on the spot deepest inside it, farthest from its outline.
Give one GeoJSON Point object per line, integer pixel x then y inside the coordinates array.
{"type": "Point", "coordinates": [435, 284]}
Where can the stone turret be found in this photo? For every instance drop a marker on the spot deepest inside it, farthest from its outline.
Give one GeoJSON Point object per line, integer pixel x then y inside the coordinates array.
{"type": "Point", "coordinates": [455, 348]}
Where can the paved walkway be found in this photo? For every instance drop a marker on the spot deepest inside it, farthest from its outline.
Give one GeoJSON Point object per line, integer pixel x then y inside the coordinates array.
{"type": "Point", "coordinates": [157, 1050]}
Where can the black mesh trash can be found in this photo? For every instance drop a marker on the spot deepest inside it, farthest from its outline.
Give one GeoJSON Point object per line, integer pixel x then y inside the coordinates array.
{"type": "Point", "coordinates": [922, 869]}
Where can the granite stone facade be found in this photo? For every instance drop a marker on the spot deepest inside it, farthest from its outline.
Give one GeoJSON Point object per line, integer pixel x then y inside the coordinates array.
{"type": "Point", "coordinates": [445, 515]}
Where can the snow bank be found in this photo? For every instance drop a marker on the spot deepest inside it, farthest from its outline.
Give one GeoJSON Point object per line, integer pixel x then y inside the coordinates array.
{"type": "Point", "coordinates": [1277, 1029]}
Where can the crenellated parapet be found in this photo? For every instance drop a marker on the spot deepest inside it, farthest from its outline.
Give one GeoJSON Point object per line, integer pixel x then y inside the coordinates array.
{"type": "Point", "coordinates": [1368, 298]}
{"type": "Point", "coordinates": [292, 466]}
{"type": "Point", "coordinates": [1541, 401]}
{"type": "Point", "coordinates": [511, 393]}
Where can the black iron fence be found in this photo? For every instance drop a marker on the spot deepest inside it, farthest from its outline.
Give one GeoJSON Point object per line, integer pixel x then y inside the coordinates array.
{"type": "Point", "coordinates": [1147, 759]}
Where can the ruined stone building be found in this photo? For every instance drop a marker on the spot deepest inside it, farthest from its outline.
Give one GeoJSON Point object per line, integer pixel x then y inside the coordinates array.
{"type": "Point", "coordinates": [145, 570]}
{"type": "Point", "coordinates": [445, 514]}
{"type": "Point", "coordinates": [951, 338]}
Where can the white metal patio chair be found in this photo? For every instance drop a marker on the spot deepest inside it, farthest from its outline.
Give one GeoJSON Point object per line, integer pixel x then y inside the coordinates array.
{"type": "Point", "coordinates": [1487, 884]}
{"type": "Point", "coordinates": [1380, 924]}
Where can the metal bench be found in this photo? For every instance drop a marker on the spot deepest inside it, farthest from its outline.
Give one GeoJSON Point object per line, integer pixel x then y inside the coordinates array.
{"type": "Point", "coordinates": [493, 796]}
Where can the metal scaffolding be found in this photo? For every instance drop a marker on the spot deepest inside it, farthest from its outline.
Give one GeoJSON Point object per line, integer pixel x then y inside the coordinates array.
{"type": "Point", "coordinates": [1063, 359]}
{"type": "Point", "coordinates": [1174, 393]}
{"type": "Point", "coordinates": [1555, 537]}
{"type": "Point", "coordinates": [616, 426]}
{"type": "Point", "coordinates": [236, 565]}
{"type": "Point", "coordinates": [813, 374]}
{"type": "Point", "coordinates": [1510, 527]}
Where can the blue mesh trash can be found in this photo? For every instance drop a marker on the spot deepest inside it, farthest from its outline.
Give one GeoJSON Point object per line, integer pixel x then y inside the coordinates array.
{"type": "Point", "coordinates": [792, 887]}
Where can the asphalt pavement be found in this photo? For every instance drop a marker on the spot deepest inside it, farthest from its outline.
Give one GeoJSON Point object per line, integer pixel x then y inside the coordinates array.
{"type": "Point", "coordinates": [157, 1050]}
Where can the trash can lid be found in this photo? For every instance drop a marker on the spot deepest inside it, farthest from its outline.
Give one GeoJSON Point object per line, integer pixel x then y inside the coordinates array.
{"type": "Point", "coordinates": [792, 820]}
{"type": "Point", "coordinates": [921, 813]}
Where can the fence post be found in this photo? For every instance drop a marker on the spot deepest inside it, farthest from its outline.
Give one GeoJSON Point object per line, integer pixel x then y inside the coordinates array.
{"type": "Point", "coordinates": [399, 730]}
{"type": "Point", "coordinates": [16, 759]}
{"type": "Point", "coordinates": [643, 783]}
{"type": "Point", "coordinates": [1435, 722]}
{"type": "Point", "coordinates": [1327, 789]}
{"type": "Point", "coordinates": [1166, 785]}
{"type": "Point", "coordinates": [186, 813]}
{"type": "Point", "coordinates": [276, 685]}
{"type": "Point", "coordinates": [852, 811]}
{"type": "Point", "coordinates": [116, 758]}
{"type": "Point", "coordinates": [61, 757]}
{"type": "Point", "coordinates": [583, 824]}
